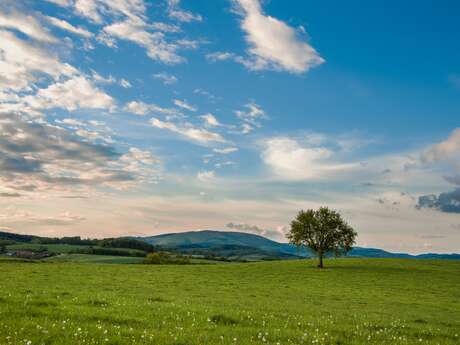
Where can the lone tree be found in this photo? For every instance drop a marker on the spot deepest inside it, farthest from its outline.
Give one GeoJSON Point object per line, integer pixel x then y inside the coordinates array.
{"type": "Point", "coordinates": [323, 231]}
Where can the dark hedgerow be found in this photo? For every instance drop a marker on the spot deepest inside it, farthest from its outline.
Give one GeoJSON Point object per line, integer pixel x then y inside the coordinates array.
{"type": "Point", "coordinates": [165, 258]}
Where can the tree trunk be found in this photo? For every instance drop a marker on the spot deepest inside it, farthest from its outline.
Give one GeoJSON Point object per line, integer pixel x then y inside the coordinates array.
{"type": "Point", "coordinates": [320, 265]}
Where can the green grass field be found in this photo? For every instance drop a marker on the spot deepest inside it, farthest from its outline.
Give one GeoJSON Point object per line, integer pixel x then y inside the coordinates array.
{"type": "Point", "coordinates": [352, 301]}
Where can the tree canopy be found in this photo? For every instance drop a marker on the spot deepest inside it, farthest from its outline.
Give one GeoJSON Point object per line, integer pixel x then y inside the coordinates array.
{"type": "Point", "coordinates": [323, 231]}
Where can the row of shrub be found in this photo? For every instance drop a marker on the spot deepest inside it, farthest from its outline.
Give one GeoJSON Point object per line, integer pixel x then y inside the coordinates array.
{"type": "Point", "coordinates": [108, 251]}
{"type": "Point", "coordinates": [165, 258]}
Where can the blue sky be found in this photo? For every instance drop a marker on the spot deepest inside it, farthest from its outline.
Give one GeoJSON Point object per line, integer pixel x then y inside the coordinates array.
{"type": "Point", "coordinates": [129, 117]}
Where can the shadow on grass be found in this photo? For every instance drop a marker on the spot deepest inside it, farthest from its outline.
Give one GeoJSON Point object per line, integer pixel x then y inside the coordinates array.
{"type": "Point", "coordinates": [220, 319]}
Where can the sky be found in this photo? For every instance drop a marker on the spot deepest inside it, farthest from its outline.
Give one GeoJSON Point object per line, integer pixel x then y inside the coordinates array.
{"type": "Point", "coordinates": [133, 117]}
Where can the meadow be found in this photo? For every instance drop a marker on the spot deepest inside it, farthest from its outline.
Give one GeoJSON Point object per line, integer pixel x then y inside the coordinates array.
{"type": "Point", "coordinates": [351, 301]}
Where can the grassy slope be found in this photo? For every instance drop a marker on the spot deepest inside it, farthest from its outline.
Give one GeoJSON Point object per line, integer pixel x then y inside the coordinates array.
{"type": "Point", "coordinates": [354, 301]}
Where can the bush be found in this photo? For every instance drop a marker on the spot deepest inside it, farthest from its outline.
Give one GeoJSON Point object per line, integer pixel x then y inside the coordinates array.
{"type": "Point", "coordinates": [164, 258]}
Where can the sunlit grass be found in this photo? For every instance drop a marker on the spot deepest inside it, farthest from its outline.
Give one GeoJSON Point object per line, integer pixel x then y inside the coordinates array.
{"type": "Point", "coordinates": [352, 301]}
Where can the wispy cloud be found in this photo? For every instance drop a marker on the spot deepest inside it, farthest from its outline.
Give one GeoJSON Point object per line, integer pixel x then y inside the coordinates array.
{"type": "Point", "coordinates": [210, 120]}
{"type": "Point", "coordinates": [141, 108]}
{"type": "Point", "coordinates": [177, 13]}
{"type": "Point", "coordinates": [64, 25]}
{"type": "Point", "coordinates": [166, 78]}
{"type": "Point", "coordinates": [196, 134]}
{"type": "Point", "coordinates": [226, 150]}
{"type": "Point", "coordinates": [251, 117]}
{"type": "Point", "coordinates": [207, 176]}
{"type": "Point", "coordinates": [184, 105]}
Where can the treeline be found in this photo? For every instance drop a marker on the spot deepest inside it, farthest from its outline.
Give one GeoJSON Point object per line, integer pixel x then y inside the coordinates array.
{"type": "Point", "coordinates": [7, 238]}
{"type": "Point", "coordinates": [124, 242]}
{"type": "Point", "coordinates": [109, 251]}
{"type": "Point", "coordinates": [74, 240]}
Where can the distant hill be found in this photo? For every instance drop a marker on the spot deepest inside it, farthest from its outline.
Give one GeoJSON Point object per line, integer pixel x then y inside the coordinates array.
{"type": "Point", "coordinates": [249, 246]}
{"type": "Point", "coordinates": [233, 245]}
{"type": "Point", "coordinates": [225, 245]}
{"type": "Point", "coordinates": [9, 236]}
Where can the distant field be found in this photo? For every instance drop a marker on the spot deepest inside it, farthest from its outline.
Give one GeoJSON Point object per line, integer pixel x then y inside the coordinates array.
{"type": "Point", "coordinates": [86, 258]}
{"type": "Point", "coordinates": [353, 301]}
{"type": "Point", "coordinates": [53, 248]}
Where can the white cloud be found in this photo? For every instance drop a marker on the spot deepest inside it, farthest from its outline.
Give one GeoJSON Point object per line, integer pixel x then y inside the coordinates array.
{"type": "Point", "coordinates": [199, 135]}
{"type": "Point", "coordinates": [289, 160]}
{"type": "Point", "coordinates": [70, 122]}
{"type": "Point", "coordinates": [175, 12]}
{"type": "Point", "coordinates": [98, 10]}
{"type": "Point", "coordinates": [184, 105]}
{"type": "Point", "coordinates": [110, 80]}
{"type": "Point", "coordinates": [62, 24]}
{"type": "Point", "coordinates": [136, 30]}
{"type": "Point", "coordinates": [125, 83]}
{"type": "Point", "coordinates": [21, 63]}
{"type": "Point", "coordinates": [206, 176]}
{"type": "Point", "coordinates": [88, 9]}
{"type": "Point", "coordinates": [253, 113]}
{"type": "Point", "coordinates": [272, 43]}
{"type": "Point", "coordinates": [104, 38]}
{"type": "Point", "coordinates": [166, 78]}
{"type": "Point", "coordinates": [246, 128]}
{"type": "Point", "coordinates": [205, 93]}
{"type": "Point", "coordinates": [141, 108]}
{"type": "Point", "coordinates": [139, 155]}
{"type": "Point", "coordinates": [103, 80]}
{"type": "Point", "coordinates": [226, 151]}
{"type": "Point", "coordinates": [93, 136]}
{"type": "Point", "coordinates": [40, 156]}
{"type": "Point", "coordinates": [127, 20]}
{"type": "Point", "coordinates": [219, 56]}
{"type": "Point", "coordinates": [74, 93]}
{"type": "Point", "coordinates": [210, 120]}
{"type": "Point", "coordinates": [28, 25]}
{"type": "Point", "coordinates": [250, 117]}
{"type": "Point", "coordinates": [141, 163]}
{"type": "Point", "coordinates": [445, 150]}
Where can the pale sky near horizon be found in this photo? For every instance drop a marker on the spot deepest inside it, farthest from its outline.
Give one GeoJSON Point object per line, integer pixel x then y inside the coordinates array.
{"type": "Point", "coordinates": [133, 117]}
